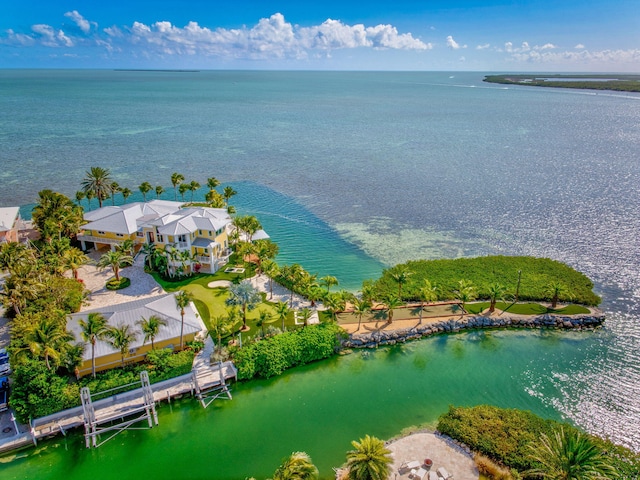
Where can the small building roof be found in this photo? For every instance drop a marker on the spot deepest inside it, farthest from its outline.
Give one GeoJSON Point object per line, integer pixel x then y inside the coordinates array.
{"type": "Point", "coordinates": [8, 217]}
{"type": "Point", "coordinates": [131, 313]}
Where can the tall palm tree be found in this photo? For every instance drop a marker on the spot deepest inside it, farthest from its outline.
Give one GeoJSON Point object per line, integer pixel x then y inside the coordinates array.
{"type": "Point", "coordinates": [126, 193]}
{"type": "Point", "coordinates": [116, 260]}
{"type": "Point", "coordinates": [297, 466]}
{"type": "Point", "coordinates": [72, 358]}
{"type": "Point", "coordinates": [94, 328]}
{"type": "Point", "coordinates": [193, 186]}
{"type": "Point", "coordinates": [465, 292]}
{"type": "Point", "coordinates": [183, 188]}
{"type": "Point", "coordinates": [176, 179]}
{"type": "Point", "coordinates": [271, 270]}
{"type": "Point", "coordinates": [401, 277]}
{"type": "Point", "coordinates": [120, 338]}
{"type": "Point", "coordinates": [151, 327]}
{"type": "Point", "coordinates": [329, 281]}
{"type": "Point", "coordinates": [145, 187]}
{"type": "Point", "coordinates": [305, 315]}
{"type": "Point", "coordinates": [245, 296]}
{"type": "Point", "coordinates": [282, 311]}
{"type": "Point", "coordinates": [183, 299]}
{"type": "Point", "coordinates": [46, 338]}
{"type": "Point", "coordinates": [570, 455]}
{"type": "Point", "coordinates": [554, 290]}
{"type": "Point", "coordinates": [293, 274]}
{"type": "Point", "coordinates": [361, 307]}
{"type": "Point", "coordinates": [80, 195]}
{"type": "Point", "coordinates": [97, 180]}
{"type": "Point", "coordinates": [426, 293]}
{"type": "Point", "coordinates": [220, 325]}
{"type": "Point", "coordinates": [212, 183]}
{"type": "Point", "coordinates": [392, 302]}
{"type": "Point", "coordinates": [496, 294]}
{"type": "Point", "coordinates": [369, 460]}
{"type": "Point", "coordinates": [227, 193]}
{"type": "Point", "coordinates": [159, 191]}
{"type": "Point", "coordinates": [90, 196]}
{"type": "Point", "coordinates": [334, 303]}
{"type": "Point", "coordinates": [150, 252]}
{"type": "Point", "coordinates": [266, 250]}
{"type": "Point", "coordinates": [114, 188]}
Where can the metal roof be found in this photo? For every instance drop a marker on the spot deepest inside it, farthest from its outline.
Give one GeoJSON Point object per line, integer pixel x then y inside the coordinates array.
{"type": "Point", "coordinates": [8, 217]}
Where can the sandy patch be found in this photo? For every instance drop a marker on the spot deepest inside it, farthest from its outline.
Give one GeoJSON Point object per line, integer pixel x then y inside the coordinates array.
{"type": "Point", "coordinates": [219, 284]}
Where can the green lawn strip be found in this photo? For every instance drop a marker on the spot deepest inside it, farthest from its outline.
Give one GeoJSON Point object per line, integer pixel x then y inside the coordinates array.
{"type": "Point", "coordinates": [526, 308]}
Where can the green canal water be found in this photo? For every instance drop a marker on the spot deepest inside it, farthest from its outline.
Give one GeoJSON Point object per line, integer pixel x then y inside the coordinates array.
{"type": "Point", "coordinates": [320, 408]}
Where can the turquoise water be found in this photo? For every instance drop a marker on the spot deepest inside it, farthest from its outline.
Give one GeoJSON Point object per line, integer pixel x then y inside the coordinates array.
{"type": "Point", "coordinates": [350, 172]}
{"type": "Point", "coordinates": [320, 408]}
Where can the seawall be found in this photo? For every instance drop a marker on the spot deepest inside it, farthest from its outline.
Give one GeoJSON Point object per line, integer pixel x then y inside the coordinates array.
{"type": "Point", "coordinates": [391, 337]}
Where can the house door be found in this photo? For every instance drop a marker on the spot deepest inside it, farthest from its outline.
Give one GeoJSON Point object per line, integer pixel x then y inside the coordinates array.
{"type": "Point", "coordinates": [150, 238]}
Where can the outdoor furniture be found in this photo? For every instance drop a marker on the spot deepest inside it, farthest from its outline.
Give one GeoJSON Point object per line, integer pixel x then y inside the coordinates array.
{"type": "Point", "coordinates": [428, 463]}
{"type": "Point", "coordinates": [414, 465]}
{"type": "Point", "coordinates": [433, 476]}
{"type": "Point", "coordinates": [442, 473]}
{"type": "Point", "coordinates": [419, 473]}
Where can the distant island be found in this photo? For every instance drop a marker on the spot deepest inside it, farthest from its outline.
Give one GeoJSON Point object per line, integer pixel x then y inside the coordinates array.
{"type": "Point", "coordinates": [622, 83]}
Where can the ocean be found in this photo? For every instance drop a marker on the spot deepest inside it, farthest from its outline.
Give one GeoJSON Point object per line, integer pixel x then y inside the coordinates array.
{"type": "Point", "coordinates": [352, 172]}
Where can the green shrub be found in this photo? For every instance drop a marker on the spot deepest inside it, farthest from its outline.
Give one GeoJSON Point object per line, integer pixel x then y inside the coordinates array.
{"type": "Point", "coordinates": [504, 435]}
{"type": "Point", "coordinates": [273, 355]}
{"type": "Point", "coordinates": [114, 284]}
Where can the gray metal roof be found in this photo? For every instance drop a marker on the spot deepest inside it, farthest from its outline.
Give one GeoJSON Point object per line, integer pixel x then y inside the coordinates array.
{"type": "Point", "coordinates": [131, 313]}
{"type": "Point", "coordinates": [8, 217]}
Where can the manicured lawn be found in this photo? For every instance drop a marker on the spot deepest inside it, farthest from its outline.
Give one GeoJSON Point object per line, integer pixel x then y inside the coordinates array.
{"type": "Point", "coordinates": [527, 308]}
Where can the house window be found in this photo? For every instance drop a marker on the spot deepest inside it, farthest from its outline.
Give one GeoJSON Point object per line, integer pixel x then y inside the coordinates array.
{"type": "Point", "coordinates": [182, 238]}
{"type": "Point", "coordinates": [209, 232]}
{"type": "Point", "coordinates": [139, 234]}
{"type": "Point", "coordinates": [119, 235]}
{"type": "Point", "coordinates": [160, 238]}
{"type": "Point", "coordinates": [206, 250]}
{"type": "Point", "coordinates": [100, 233]}
{"type": "Point", "coordinates": [199, 232]}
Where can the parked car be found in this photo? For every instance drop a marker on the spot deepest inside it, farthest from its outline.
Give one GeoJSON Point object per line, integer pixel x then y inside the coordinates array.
{"type": "Point", "coordinates": [4, 393]}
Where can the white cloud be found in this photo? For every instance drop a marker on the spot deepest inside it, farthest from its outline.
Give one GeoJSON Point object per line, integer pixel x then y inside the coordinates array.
{"type": "Point", "coordinates": [579, 46]}
{"type": "Point", "coordinates": [451, 43]}
{"type": "Point", "coordinates": [80, 21]}
{"type": "Point", "coordinates": [483, 47]}
{"type": "Point", "coordinates": [546, 46]}
{"type": "Point", "coordinates": [50, 37]}
{"type": "Point", "coordinates": [602, 58]}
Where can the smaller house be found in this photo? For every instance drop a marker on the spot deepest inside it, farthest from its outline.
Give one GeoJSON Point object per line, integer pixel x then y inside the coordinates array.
{"type": "Point", "coordinates": [9, 220]}
{"type": "Point", "coordinates": [131, 313]}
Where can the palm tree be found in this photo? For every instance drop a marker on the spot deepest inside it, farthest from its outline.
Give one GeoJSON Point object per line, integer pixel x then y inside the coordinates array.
{"type": "Point", "coordinates": [401, 277]}
{"type": "Point", "coordinates": [270, 269]}
{"type": "Point", "coordinates": [159, 191]}
{"type": "Point", "coordinates": [570, 455]}
{"type": "Point", "coordinates": [465, 292]}
{"type": "Point", "coordinates": [426, 293]}
{"type": "Point", "coordinates": [145, 187]}
{"type": "Point", "coordinates": [370, 460]}
{"type": "Point", "coordinates": [72, 358]}
{"type": "Point", "coordinates": [297, 466]}
{"type": "Point", "coordinates": [120, 338]}
{"type": "Point", "coordinates": [212, 183]}
{"type": "Point", "coordinates": [496, 293]}
{"type": "Point", "coordinates": [334, 303]}
{"type": "Point", "coordinates": [193, 186]}
{"type": "Point", "coordinates": [293, 274]}
{"type": "Point", "coordinates": [227, 193]}
{"type": "Point", "coordinates": [183, 188]}
{"type": "Point", "coordinates": [305, 315]}
{"type": "Point", "coordinates": [151, 327]}
{"type": "Point", "coordinates": [127, 246]}
{"type": "Point", "coordinates": [46, 338]}
{"type": "Point", "coordinates": [391, 302]}
{"type": "Point", "coordinates": [114, 188]}
{"type": "Point", "coordinates": [90, 196]}
{"type": "Point", "coordinates": [220, 325]}
{"type": "Point", "coordinates": [126, 193]}
{"type": "Point", "coordinates": [150, 252]}
{"type": "Point", "coordinates": [329, 281]}
{"type": "Point", "coordinates": [116, 260]}
{"type": "Point", "coordinates": [263, 317]}
{"type": "Point", "coordinates": [80, 195]}
{"type": "Point", "coordinates": [97, 180]}
{"type": "Point", "coordinates": [245, 296]}
{"type": "Point", "coordinates": [266, 250]}
{"type": "Point", "coordinates": [282, 310]}
{"type": "Point", "coordinates": [183, 299]}
{"type": "Point", "coordinates": [554, 290]}
{"type": "Point", "coordinates": [94, 328]}
{"type": "Point", "coordinates": [361, 307]}
{"type": "Point", "coordinates": [73, 259]}
{"type": "Point", "coordinates": [176, 179]}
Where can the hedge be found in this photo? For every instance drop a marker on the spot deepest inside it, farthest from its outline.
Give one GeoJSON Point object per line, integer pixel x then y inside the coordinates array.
{"type": "Point", "coordinates": [273, 355]}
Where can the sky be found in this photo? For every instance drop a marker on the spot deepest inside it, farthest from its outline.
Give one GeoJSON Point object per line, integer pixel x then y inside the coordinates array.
{"type": "Point", "coordinates": [437, 35]}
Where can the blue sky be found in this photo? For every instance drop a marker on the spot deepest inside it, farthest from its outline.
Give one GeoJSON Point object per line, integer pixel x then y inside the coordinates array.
{"type": "Point", "coordinates": [485, 35]}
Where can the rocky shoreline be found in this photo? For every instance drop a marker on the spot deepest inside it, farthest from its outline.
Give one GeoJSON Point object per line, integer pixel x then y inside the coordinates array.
{"type": "Point", "coordinates": [391, 337]}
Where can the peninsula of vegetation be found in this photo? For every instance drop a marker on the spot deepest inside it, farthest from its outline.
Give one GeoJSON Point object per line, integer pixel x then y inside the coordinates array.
{"type": "Point", "coordinates": [216, 290]}
{"type": "Point", "coordinates": [621, 83]}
